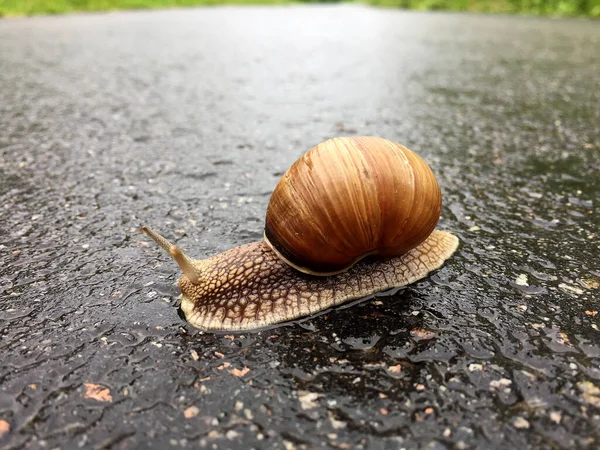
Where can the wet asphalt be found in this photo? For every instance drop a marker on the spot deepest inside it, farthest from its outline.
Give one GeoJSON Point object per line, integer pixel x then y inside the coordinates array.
{"type": "Point", "coordinates": [184, 120]}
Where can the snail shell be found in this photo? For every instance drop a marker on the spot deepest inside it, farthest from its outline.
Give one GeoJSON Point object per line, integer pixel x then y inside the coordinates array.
{"type": "Point", "coordinates": [345, 199]}
{"type": "Point", "coordinates": [348, 198]}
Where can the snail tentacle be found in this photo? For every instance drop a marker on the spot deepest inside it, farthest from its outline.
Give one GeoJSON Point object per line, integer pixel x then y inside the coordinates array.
{"type": "Point", "coordinates": [183, 261]}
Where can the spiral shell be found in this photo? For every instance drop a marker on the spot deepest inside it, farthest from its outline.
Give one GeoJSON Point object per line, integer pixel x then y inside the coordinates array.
{"type": "Point", "coordinates": [348, 198]}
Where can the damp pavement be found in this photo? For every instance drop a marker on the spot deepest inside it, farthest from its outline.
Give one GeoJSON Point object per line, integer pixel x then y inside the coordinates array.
{"type": "Point", "coordinates": [184, 120]}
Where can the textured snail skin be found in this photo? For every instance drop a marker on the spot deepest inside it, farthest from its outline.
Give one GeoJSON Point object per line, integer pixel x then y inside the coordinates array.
{"type": "Point", "coordinates": [249, 287]}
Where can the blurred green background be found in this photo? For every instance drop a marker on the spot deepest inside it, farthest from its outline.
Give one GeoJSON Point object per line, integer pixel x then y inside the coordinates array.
{"type": "Point", "coordinates": [590, 8]}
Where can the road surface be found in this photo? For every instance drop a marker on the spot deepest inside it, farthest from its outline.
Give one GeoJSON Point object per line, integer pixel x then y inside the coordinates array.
{"type": "Point", "coordinates": [184, 120]}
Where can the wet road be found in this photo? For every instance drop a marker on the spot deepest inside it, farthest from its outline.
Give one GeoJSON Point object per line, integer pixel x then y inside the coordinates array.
{"type": "Point", "coordinates": [185, 120]}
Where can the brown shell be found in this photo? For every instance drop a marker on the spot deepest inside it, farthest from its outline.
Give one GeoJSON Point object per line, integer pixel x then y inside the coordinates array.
{"type": "Point", "coordinates": [350, 197]}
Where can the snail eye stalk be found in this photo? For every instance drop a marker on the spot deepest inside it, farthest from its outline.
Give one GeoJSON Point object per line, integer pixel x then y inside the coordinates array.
{"type": "Point", "coordinates": [185, 263]}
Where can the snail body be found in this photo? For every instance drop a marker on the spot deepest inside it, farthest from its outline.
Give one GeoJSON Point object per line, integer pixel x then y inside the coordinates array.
{"type": "Point", "coordinates": [343, 201]}
{"type": "Point", "coordinates": [249, 287]}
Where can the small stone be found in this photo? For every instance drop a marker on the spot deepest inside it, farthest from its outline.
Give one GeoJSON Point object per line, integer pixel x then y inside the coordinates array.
{"type": "Point", "coordinates": [500, 384]}
{"type": "Point", "coordinates": [474, 367]}
{"type": "Point", "coordinates": [591, 392]}
{"type": "Point", "coordinates": [239, 372]}
{"type": "Point", "coordinates": [336, 424]}
{"type": "Point", "coordinates": [591, 283]}
{"type": "Point", "coordinates": [4, 428]}
{"type": "Point", "coordinates": [194, 354]}
{"type": "Point", "coordinates": [421, 334]}
{"type": "Point", "coordinates": [570, 289]}
{"type": "Point", "coordinates": [522, 280]}
{"type": "Point", "coordinates": [232, 434]}
{"type": "Point", "coordinates": [308, 400]}
{"type": "Point", "coordinates": [395, 369]}
{"type": "Point", "coordinates": [97, 392]}
{"type": "Point", "coordinates": [190, 412]}
{"type": "Point", "coordinates": [384, 411]}
{"type": "Point", "coordinates": [555, 417]}
{"type": "Point", "coordinates": [521, 423]}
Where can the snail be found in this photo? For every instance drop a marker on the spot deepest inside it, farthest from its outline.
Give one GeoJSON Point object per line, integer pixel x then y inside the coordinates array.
{"type": "Point", "coordinates": [352, 217]}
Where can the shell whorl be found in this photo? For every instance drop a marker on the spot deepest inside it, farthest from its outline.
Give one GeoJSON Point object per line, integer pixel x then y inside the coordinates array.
{"type": "Point", "coordinates": [348, 198]}
{"type": "Point", "coordinates": [248, 287]}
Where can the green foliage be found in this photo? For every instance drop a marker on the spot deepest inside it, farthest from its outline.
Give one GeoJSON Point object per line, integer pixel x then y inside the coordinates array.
{"type": "Point", "coordinates": [589, 8]}
{"type": "Point", "coordinates": [31, 7]}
